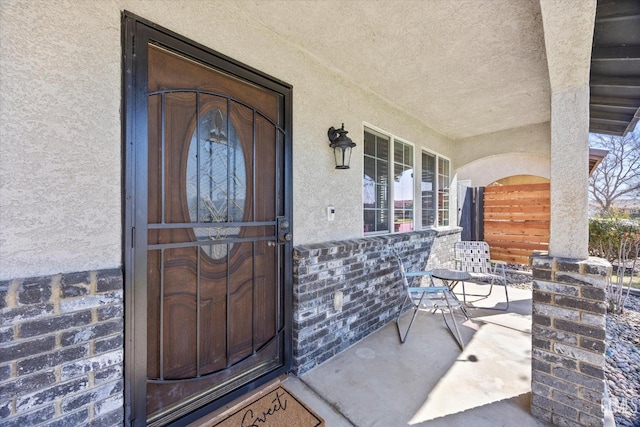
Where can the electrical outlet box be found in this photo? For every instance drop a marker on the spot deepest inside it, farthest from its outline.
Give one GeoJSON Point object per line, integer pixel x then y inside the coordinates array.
{"type": "Point", "coordinates": [331, 213]}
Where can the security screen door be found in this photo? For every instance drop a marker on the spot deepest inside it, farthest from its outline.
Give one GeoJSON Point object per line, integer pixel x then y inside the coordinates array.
{"type": "Point", "coordinates": [210, 175]}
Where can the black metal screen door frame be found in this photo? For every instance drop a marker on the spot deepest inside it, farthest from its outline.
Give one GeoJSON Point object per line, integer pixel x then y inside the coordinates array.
{"type": "Point", "coordinates": [137, 34]}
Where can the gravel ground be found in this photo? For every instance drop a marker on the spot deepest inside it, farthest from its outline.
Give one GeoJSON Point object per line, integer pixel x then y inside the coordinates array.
{"type": "Point", "coordinates": [623, 363]}
{"type": "Point", "coordinates": [622, 368]}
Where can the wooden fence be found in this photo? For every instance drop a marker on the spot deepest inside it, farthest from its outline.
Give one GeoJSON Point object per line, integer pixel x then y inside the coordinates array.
{"type": "Point", "coordinates": [516, 220]}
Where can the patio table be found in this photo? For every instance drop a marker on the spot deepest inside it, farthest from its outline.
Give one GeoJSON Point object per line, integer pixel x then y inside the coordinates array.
{"type": "Point", "coordinates": [451, 278]}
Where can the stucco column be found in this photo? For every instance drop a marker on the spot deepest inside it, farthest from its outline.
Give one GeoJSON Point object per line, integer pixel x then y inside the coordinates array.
{"type": "Point", "coordinates": [568, 35]}
{"type": "Point", "coordinates": [569, 289]}
{"type": "Point", "coordinates": [569, 236]}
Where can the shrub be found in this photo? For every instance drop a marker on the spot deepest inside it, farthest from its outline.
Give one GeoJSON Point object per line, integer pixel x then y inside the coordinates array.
{"type": "Point", "coordinates": [617, 240]}
{"type": "Point", "coordinates": [606, 236]}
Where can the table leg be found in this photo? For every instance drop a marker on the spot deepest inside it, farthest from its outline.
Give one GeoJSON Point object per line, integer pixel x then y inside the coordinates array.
{"type": "Point", "coordinates": [452, 284]}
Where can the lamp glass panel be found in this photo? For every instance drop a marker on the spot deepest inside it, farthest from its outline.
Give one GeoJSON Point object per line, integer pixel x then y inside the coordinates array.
{"type": "Point", "coordinates": [337, 152]}
{"type": "Point", "coordinates": [346, 156]}
{"type": "Point", "coordinates": [342, 156]}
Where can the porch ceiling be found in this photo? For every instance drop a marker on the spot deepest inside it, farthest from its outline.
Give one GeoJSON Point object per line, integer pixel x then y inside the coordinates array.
{"type": "Point", "coordinates": [615, 68]}
{"type": "Point", "coordinates": [464, 67]}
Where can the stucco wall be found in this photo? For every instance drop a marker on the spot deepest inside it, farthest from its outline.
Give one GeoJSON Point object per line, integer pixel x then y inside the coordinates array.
{"type": "Point", "coordinates": [60, 171]}
{"type": "Point", "coordinates": [529, 140]}
{"type": "Point", "coordinates": [487, 158]}
{"type": "Point", "coordinates": [59, 137]}
{"type": "Point", "coordinates": [483, 172]}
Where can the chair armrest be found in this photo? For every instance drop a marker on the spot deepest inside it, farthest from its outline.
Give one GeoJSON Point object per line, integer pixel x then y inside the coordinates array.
{"type": "Point", "coordinates": [418, 273]}
{"type": "Point", "coordinates": [430, 289]}
{"type": "Point", "coordinates": [497, 264]}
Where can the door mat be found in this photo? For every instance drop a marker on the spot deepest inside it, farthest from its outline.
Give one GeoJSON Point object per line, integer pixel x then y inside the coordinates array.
{"type": "Point", "coordinates": [277, 408]}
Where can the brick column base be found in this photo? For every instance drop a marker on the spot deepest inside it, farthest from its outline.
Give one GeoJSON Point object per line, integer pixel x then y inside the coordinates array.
{"type": "Point", "coordinates": [568, 340]}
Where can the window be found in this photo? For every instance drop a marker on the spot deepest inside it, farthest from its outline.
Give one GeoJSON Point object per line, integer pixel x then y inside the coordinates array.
{"type": "Point", "coordinates": [380, 163]}
{"type": "Point", "coordinates": [435, 190]}
{"type": "Point", "coordinates": [428, 189]}
{"type": "Point", "coordinates": [402, 187]}
{"type": "Point", "coordinates": [443, 192]}
{"type": "Point", "coordinates": [376, 182]}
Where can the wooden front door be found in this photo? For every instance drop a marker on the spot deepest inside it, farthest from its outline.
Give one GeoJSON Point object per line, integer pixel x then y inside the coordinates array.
{"type": "Point", "coordinates": [210, 221]}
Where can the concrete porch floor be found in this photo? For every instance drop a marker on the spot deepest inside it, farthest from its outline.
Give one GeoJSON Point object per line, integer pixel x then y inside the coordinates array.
{"type": "Point", "coordinates": [429, 381]}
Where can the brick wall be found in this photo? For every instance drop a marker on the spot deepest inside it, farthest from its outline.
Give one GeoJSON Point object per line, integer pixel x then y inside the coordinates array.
{"type": "Point", "coordinates": [441, 254]}
{"type": "Point", "coordinates": [61, 336]}
{"type": "Point", "coordinates": [568, 340]}
{"type": "Point", "coordinates": [367, 276]}
{"type": "Point", "coordinates": [61, 350]}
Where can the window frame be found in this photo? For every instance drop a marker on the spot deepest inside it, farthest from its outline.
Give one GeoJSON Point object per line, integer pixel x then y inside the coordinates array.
{"type": "Point", "coordinates": [391, 163]}
{"type": "Point", "coordinates": [436, 185]}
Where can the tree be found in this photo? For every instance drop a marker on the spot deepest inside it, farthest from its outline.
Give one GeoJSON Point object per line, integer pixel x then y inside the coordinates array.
{"type": "Point", "coordinates": [618, 175]}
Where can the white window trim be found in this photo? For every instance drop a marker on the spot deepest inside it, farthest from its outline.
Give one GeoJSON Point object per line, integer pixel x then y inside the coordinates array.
{"type": "Point", "coordinates": [437, 185]}
{"type": "Point", "coordinates": [416, 196]}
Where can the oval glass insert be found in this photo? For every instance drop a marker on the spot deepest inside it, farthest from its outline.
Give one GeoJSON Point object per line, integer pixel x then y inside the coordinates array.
{"type": "Point", "coordinates": [216, 181]}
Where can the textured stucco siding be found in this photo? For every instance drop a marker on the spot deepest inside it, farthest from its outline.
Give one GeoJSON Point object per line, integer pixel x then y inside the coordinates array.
{"type": "Point", "coordinates": [59, 137]}
{"type": "Point", "coordinates": [568, 37]}
{"type": "Point", "coordinates": [60, 126]}
{"type": "Point", "coordinates": [569, 231]}
{"type": "Point", "coordinates": [493, 168]}
{"type": "Point", "coordinates": [528, 140]}
{"type": "Point", "coordinates": [521, 151]}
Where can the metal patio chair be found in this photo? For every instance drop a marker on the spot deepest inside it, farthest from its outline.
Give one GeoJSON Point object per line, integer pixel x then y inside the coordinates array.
{"type": "Point", "coordinates": [475, 258]}
{"type": "Point", "coordinates": [428, 298]}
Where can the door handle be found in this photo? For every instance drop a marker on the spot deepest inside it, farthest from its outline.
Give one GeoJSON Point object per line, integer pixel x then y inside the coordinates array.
{"type": "Point", "coordinates": [287, 237]}
{"type": "Point", "coordinates": [282, 238]}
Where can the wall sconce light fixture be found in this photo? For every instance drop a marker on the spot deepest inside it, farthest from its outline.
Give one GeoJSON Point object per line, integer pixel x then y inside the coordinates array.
{"type": "Point", "coordinates": [341, 145]}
